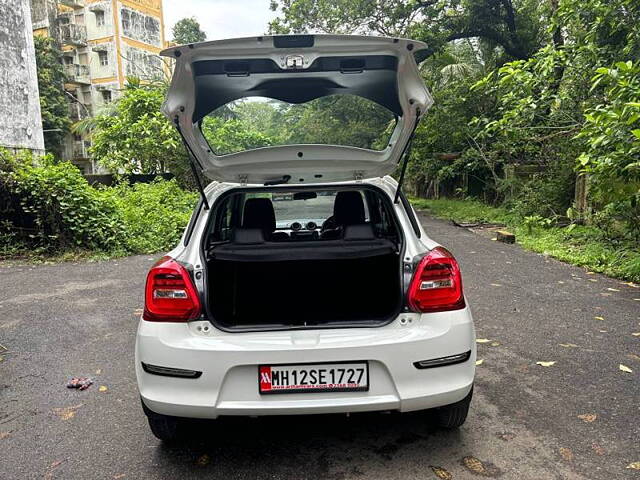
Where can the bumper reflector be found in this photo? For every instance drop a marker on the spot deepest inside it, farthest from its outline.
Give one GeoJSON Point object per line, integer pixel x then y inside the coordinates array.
{"type": "Point", "coordinates": [170, 372]}
{"type": "Point", "coordinates": [442, 361]}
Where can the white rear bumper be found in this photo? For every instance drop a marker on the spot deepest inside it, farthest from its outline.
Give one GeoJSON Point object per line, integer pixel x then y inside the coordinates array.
{"type": "Point", "coordinates": [229, 365]}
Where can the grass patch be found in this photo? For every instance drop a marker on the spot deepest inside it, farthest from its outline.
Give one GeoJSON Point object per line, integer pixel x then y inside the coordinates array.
{"type": "Point", "coordinates": [584, 246]}
{"type": "Point", "coordinates": [467, 211]}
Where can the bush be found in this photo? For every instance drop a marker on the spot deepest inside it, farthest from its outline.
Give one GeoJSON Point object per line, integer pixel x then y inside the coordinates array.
{"type": "Point", "coordinates": [154, 215]}
{"type": "Point", "coordinates": [48, 207]}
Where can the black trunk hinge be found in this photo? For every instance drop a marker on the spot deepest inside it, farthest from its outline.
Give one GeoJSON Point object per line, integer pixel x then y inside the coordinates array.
{"type": "Point", "coordinates": [406, 153]}
{"type": "Point", "coordinates": [193, 160]}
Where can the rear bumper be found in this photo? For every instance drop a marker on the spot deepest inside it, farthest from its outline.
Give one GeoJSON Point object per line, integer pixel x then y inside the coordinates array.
{"type": "Point", "coordinates": [229, 365]}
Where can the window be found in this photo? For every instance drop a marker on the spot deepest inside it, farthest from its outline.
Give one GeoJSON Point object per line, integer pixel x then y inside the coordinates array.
{"type": "Point", "coordinates": [106, 96]}
{"type": "Point", "coordinates": [104, 58]}
{"type": "Point", "coordinates": [99, 18]}
{"type": "Point", "coordinates": [333, 120]}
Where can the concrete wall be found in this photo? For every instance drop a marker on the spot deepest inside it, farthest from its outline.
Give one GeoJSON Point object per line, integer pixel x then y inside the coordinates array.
{"type": "Point", "coordinates": [20, 120]}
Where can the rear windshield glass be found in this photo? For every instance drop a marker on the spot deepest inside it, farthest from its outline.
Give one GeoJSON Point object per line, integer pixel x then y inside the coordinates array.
{"type": "Point", "coordinates": [301, 215]}
{"type": "Point", "coordinates": [255, 122]}
{"type": "Point", "coordinates": [288, 209]}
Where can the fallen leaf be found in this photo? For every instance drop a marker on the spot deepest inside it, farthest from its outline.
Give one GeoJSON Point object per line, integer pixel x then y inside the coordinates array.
{"type": "Point", "coordinates": [482, 340]}
{"type": "Point", "coordinates": [613, 289]}
{"type": "Point", "coordinates": [203, 460]}
{"type": "Point", "coordinates": [102, 388]}
{"type": "Point", "coordinates": [634, 466]}
{"type": "Point", "coordinates": [598, 449]}
{"type": "Point", "coordinates": [624, 368]}
{"type": "Point", "coordinates": [566, 454]}
{"type": "Point", "coordinates": [591, 273]}
{"type": "Point", "coordinates": [473, 465]}
{"type": "Point", "coordinates": [66, 413]}
{"type": "Point", "coordinates": [486, 469]}
{"type": "Point", "coordinates": [441, 473]}
{"type": "Point", "coordinates": [588, 417]}
{"type": "Point", "coordinates": [599, 318]}
{"type": "Point", "coordinates": [568, 345]}
{"type": "Point", "coordinates": [545, 364]}
{"type": "Point", "coordinates": [495, 344]}
{"type": "Point", "coordinates": [480, 362]}
{"type": "Point", "coordinates": [118, 476]}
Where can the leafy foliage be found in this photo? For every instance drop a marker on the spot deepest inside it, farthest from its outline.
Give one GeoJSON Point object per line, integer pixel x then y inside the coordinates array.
{"type": "Point", "coordinates": [135, 136]}
{"type": "Point", "coordinates": [54, 105]}
{"type": "Point", "coordinates": [187, 31]}
{"type": "Point", "coordinates": [53, 207]}
{"type": "Point", "coordinates": [49, 207]}
{"type": "Point", "coordinates": [511, 24]}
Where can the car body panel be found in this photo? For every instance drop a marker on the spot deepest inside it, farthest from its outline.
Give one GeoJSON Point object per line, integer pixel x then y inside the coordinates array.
{"type": "Point", "coordinates": [229, 362]}
{"type": "Point", "coordinates": [195, 90]}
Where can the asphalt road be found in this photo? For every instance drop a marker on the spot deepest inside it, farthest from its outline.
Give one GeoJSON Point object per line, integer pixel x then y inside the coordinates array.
{"type": "Point", "coordinates": [59, 321]}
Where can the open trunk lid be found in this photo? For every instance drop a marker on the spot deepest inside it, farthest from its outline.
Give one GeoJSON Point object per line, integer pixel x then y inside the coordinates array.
{"type": "Point", "coordinates": [296, 69]}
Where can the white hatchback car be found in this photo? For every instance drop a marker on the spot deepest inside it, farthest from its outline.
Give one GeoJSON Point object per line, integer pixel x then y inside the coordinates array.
{"type": "Point", "coordinates": [304, 283]}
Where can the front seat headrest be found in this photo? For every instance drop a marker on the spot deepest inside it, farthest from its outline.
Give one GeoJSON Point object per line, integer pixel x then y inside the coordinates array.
{"type": "Point", "coordinates": [258, 213]}
{"type": "Point", "coordinates": [348, 208]}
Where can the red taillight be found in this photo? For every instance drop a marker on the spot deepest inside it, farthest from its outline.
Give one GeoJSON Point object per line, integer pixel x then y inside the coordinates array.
{"type": "Point", "coordinates": [170, 295]}
{"type": "Point", "coordinates": [437, 283]}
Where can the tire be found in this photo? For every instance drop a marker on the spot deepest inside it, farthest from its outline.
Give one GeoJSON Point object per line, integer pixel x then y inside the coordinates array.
{"type": "Point", "coordinates": [164, 428]}
{"type": "Point", "coordinates": [454, 415]}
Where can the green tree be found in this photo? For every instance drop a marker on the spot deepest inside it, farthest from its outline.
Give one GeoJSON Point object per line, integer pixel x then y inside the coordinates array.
{"type": "Point", "coordinates": [510, 24]}
{"type": "Point", "coordinates": [134, 136]}
{"type": "Point", "coordinates": [54, 104]}
{"type": "Point", "coordinates": [187, 31]}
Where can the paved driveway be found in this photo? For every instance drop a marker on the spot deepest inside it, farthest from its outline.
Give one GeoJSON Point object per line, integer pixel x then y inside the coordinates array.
{"type": "Point", "coordinates": [58, 321]}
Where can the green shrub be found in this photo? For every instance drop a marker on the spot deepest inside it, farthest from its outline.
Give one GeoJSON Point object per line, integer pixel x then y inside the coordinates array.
{"type": "Point", "coordinates": [48, 207]}
{"type": "Point", "coordinates": [154, 215]}
{"type": "Point", "coordinates": [52, 207]}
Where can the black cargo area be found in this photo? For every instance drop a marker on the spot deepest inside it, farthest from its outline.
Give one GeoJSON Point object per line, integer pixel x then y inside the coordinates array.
{"type": "Point", "coordinates": [304, 292]}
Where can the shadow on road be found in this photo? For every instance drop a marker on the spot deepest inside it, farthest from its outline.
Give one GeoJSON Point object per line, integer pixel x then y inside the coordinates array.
{"type": "Point", "coordinates": [324, 445]}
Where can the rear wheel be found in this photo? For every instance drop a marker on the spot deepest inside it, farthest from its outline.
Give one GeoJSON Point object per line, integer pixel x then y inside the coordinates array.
{"type": "Point", "coordinates": [454, 415]}
{"type": "Point", "coordinates": [164, 428]}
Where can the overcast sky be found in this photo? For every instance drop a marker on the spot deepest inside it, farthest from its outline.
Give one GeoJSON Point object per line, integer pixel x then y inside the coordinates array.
{"type": "Point", "coordinates": [220, 18]}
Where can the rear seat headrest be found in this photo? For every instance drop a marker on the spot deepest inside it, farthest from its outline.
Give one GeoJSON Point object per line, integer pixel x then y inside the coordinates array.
{"type": "Point", "coordinates": [247, 236]}
{"type": "Point", "coordinates": [361, 231]}
{"type": "Point", "coordinates": [258, 213]}
{"type": "Point", "coordinates": [348, 208]}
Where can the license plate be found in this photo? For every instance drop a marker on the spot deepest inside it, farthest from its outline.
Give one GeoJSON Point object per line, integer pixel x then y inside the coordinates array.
{"type": "Point", "coordinates": [317, 377]}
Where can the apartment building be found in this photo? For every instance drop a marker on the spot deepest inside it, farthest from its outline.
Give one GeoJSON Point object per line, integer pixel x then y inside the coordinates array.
{"type": "Point", "coordinates": [103, 42]}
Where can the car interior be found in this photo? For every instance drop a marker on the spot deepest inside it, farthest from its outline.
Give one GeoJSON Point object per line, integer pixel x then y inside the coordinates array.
{"type": "Point", "coordinates": [275, 266]}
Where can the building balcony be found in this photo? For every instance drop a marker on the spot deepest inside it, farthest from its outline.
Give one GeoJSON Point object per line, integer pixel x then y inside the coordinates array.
{"type": "Point", "coordinates": [73, 34]}
{"type": "Point", "coordinates": [79, 111]}
{"type": "Point", "coordinates": [80, 149]}
{"type": "Point", "coordinates": [73, 3]}
{"type": "Point", "coordinates": [77, 73]}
